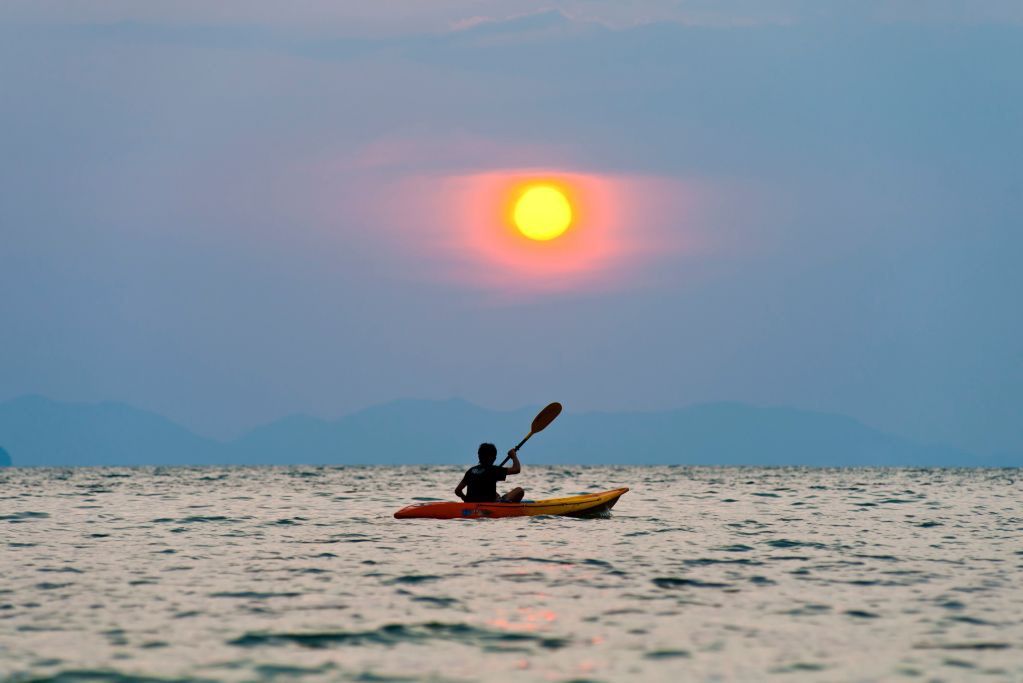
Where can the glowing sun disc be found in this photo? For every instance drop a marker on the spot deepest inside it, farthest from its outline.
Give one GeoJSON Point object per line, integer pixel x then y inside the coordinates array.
{"type": "Point", "coordinates": [542, 213]}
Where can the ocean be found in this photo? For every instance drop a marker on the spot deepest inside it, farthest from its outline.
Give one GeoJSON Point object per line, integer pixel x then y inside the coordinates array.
{"type": "Point", "coordinates": [700, 574]}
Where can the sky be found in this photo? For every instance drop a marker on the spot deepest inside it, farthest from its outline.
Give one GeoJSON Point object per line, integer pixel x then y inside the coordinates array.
{"type": "Point", "coordinates": [229, 212]}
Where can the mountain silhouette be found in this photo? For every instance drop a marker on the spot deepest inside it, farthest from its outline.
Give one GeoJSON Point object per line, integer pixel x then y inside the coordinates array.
{"type": "Point", "coordinates": [42, 432]}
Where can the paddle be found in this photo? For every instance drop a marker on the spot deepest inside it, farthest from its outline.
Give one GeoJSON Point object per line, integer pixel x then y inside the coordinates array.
{"type": "Point", "coordinates": [540, 422]}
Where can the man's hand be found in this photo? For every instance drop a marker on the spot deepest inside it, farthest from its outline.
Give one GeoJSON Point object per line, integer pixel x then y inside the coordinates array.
{"type": "Point", "coordinates": [516, 467]}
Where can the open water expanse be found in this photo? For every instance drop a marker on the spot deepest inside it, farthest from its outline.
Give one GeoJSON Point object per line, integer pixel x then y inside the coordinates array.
{"type": "Point", "coordinates": [253, 574]}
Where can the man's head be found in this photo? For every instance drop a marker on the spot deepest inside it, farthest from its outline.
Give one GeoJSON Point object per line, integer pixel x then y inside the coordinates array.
{"type": "Point", "coordinates": [487, 453]}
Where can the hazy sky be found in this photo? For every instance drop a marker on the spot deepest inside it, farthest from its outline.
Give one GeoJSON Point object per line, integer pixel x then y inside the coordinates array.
{"type": "Point", "coordinates": [227, 212]}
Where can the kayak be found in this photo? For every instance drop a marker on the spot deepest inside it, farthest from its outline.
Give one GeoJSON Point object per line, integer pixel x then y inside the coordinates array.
{"type": "Point", "coordinates": [574, 506]}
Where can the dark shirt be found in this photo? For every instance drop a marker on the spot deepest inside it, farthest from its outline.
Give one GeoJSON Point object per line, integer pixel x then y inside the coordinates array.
{"type": "Point", "coordinates": [481, 483]}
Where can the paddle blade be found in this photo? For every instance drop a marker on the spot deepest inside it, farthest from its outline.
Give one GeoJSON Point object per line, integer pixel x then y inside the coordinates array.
{"type": "Point", "coordinates": [545, 417]}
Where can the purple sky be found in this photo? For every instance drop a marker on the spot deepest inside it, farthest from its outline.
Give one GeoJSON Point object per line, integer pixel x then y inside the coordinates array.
{"type": "Point", "coordinates": [227, 212]}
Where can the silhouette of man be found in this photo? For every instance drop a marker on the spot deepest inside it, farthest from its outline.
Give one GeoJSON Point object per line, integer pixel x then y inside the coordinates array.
{"type": "Point", "coordinates": [482, 479]}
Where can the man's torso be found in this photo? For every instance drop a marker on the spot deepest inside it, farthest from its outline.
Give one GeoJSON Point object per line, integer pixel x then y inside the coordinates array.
{"type": "Point", "coordinates": [481, 483]}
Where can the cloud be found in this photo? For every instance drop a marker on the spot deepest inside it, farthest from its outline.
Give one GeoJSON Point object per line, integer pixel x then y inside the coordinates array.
{"type": "Point", "coordinates": [407, 17]}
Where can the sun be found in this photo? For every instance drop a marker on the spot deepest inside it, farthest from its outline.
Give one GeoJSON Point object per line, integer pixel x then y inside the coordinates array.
{"type": "Point", "coordinates": [542, 212]}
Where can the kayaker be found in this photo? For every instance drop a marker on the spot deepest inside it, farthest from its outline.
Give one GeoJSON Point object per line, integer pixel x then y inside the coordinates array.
{"type": "Point", "coordinates": [482, 479]}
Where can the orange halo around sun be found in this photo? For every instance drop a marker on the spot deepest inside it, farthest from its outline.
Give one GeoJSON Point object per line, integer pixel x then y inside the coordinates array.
{"type": "Point", "coordinates": [571, 234]}
{"type": "Point", "coordinates": [462, 228]}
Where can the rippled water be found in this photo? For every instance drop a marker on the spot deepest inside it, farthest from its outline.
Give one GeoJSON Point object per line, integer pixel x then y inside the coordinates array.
{"type": "Point", "coordinates": [700, 574]}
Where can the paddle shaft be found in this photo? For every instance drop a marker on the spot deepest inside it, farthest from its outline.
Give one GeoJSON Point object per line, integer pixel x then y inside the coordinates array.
{"type": "Point", "coordinates": [507, 458]}
{"type": "Point", "coordinates": [540, 422]}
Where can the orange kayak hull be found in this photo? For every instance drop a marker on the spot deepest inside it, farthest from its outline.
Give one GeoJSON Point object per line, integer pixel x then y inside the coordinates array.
{"type": "Point", "coordinates": [589, 504]}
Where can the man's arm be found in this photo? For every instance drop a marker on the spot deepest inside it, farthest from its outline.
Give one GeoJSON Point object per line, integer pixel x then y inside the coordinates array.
{"type": "Point", "coordinates": [461, 485]}
{"type": "Point", "coordinates": [516, 466]}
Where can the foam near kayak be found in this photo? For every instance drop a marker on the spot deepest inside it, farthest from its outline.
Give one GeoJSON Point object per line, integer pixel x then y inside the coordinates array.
{"type": "Point", "coordinates": [575, 506]}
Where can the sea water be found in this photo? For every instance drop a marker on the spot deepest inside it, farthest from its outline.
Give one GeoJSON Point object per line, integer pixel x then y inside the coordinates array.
{"type": "Point", "coordinates": [712, 574]}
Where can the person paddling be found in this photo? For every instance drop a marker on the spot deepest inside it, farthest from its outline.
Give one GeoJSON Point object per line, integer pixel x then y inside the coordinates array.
{"type": "Point", "coordinates": [482, 479]}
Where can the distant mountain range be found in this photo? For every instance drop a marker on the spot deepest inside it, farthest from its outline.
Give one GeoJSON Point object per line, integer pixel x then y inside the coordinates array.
{"type": "Point", "coordinates": [38, 432]}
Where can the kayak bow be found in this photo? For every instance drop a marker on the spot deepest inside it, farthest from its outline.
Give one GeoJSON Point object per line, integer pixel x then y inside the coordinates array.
{"type": "Point", "coordinates": [573, 506]}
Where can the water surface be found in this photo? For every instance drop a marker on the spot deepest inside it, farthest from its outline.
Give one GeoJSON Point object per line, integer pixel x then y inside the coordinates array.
{"type": "Point", "coordinates": [251, 574]}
